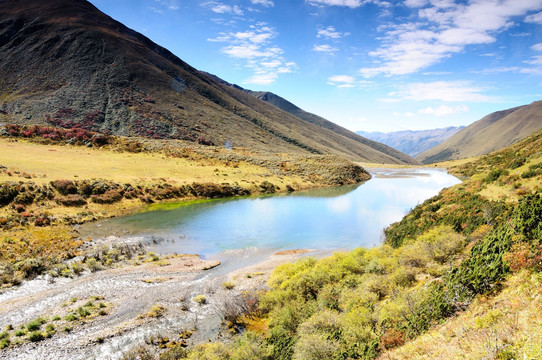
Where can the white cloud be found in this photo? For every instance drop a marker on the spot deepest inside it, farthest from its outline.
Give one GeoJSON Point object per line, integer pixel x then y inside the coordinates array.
{"type": "Point", "coordinates": [535, 60]}
{"type": "Point", "coordinates": [153, 9]}
{"type": "Point", "coordinates": [331, 33]}
{"type": "Point", "coordinates": [262, 79]}
{"type": "Point", "coordinates": [254, 46]}
{"type": "Point", "coordinates": [448, 91]}
{"type": "Point", "coordinates": [342, 81]}
{"type": "Point", "coordinates": [444, 110]}
{"type": "Point", "coordinates": [170, 4]}
{"type": "Point", "coordinates": [416, 3]}
{"type": "Point", "coordinates": [221, 8]}
{"type": "Point", "coordinates": [537, 47]}
{"type": "Point", "coordinates": [266, 3]}
{"type": "Point", "coordinates": [443, 29]}
{"type": "Point", "coordinates": [324, 48]}
{"type": "Point", "coordinates": [347, 3]}
{"type": "Point", "coordinates": [534, 18]}
{"type": "Point", "coordinates": [496, 70]}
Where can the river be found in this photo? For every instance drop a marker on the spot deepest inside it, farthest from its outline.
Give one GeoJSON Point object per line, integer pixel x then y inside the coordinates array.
{"type": "Point", "coordinates": [324, 219]}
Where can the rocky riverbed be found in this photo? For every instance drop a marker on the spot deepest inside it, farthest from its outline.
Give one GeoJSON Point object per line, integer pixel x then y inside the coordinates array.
{"type": "Point", "coordinates": [182, 299]}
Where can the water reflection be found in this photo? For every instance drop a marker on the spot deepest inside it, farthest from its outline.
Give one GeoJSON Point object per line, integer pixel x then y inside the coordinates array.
{"type": "Point", "coordinates": [344, 217]}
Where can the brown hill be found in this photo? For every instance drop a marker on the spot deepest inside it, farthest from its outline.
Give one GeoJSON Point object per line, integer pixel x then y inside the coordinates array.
{"type": "Point", "coordinates": [65, 63]}
{"type": "Point", "coordinates": [287, 106]}
{"type": "Point", "coordinates": [493, 132]}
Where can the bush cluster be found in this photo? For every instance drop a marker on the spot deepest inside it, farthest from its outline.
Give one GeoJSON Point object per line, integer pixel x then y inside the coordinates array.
{"type": "Point", "coordinates": [359, 304]}
{"type": "Point", "coordinates": [73, 136]}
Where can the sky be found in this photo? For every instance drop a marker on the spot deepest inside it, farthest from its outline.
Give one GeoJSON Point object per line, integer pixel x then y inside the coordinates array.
{"type": "Point", "coordinates": [371, 65]}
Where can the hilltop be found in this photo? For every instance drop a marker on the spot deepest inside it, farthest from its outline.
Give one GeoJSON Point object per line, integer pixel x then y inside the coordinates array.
{"type": "Point", "coordinates": [493, 132]}
{"type": "Point", "coordinates": [65, 63]}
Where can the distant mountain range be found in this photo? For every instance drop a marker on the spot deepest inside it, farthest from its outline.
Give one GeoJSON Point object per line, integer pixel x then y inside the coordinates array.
{"type": "Point", "coordinates": [494, 131]}
{"type": "Point", "coordinates": [65, 63]}
{"type": "Point", "coordinates": [412, 142]}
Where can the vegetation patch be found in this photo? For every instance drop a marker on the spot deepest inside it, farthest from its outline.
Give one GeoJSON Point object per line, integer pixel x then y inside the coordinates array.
{"type": "Point", "coordinates": [445, 257]}
{"type": "Point", "coordinates": [76, 312]}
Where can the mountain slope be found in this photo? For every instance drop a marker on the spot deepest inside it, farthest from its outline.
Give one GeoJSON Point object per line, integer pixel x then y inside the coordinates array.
{"type": "Point", "coordinates": [412, 142]}
{"type": "Point", "coordinates": [493, 132]}
{"type": "Point", "coordinates": [65, 63]}
{"type": "Point", "coordinates": [287, 106]}
{"type": "Point", "coordinates": [431, 291]}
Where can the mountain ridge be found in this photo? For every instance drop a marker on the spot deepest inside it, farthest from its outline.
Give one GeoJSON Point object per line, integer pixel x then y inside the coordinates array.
{"type": "Point", "coordinates": [493, 132]}
{"type": "Point", "coordinates": [412, 142]}
{"type": "Point", "coordinates": [65, 63]}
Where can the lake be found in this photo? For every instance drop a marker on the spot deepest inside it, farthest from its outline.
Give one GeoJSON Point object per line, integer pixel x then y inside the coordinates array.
{"type": "Point", "coordinates": [325, 219]}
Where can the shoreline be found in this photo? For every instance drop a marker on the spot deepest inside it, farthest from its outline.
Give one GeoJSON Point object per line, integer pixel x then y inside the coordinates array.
{"type": "Point", "coordinates": [127, 290]}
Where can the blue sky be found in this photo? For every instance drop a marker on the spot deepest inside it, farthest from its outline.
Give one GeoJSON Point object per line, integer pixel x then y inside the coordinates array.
{"type": "Point", "coordinates": [369, 65]}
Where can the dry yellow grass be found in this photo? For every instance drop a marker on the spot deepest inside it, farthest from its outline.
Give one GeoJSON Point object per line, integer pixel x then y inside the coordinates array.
{"type": "Point", "coordinates": [51, 162]}
{"type": "Point", "coordinates": [508, 326]}
{"type": "Point", "coordinates": [450, 163]}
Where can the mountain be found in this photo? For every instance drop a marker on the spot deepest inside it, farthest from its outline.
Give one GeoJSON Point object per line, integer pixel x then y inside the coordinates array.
{"type": "Point", "coordinates": [65, 63]}
{"type": "Point", "coordinates": [412, 142]}
{"type": "Point", "coordinates": [287, 106]}
{"type": "Point", "coordinates": [492, 132]}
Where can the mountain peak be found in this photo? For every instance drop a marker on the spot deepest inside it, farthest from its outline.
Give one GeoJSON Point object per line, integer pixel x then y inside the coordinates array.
{"type": "Point", "coordinates": [65, 63]}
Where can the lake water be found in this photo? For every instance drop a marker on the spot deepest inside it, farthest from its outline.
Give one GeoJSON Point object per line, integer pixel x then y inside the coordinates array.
{"type": "Point", "coordinates": [335, 218]}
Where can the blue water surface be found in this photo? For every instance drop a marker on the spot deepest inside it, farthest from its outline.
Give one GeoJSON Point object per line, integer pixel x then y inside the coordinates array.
{"type": "Point", "coordinates": [337, 218]}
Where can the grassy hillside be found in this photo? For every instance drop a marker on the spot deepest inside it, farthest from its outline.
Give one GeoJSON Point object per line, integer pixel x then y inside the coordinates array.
{"type": "Point", "coordinates": [64, 63]}
{"type": "Point", "coordinates": [287, 106]}
{"type": "Point", "coordinates": [493, 132]}
{"type": "Point", "coordinates": [461, 255]}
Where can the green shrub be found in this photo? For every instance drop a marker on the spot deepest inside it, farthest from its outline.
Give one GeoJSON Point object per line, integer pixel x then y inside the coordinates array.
{"type": "Point", "coordinates": [228, 285]}
{"type": "Point", "coordinates": [485, 267]}
{"type": "Point", "coordinates": [70, 317]}
{"type": "Point", "coordinates": [35, 336]}
{"type": "Point", "coordinates": [4, 343]}
{"type": "Point", "coordinates": [530, 173]}
{"type": "Point", "coordinates": [35, 324]}
{"type": "Point", "coordinates": [517, 163]}
{"type": "Point", "coordinates": [212, 351]}
{"type": "Point", "coordinates": [200, 299]}
{"type": "Point", "coordinates": [82, 312]}
{"type": "Point", "coordinates": [157, 311]}
{"type": "Point", "coordinates": [528, 216]}
{"type": "Point", "coordinates": [250, 347]}
{"type": "Point", "coordinates": [92, 264]}
{"type": "Point", "coordinates": [494, 175]}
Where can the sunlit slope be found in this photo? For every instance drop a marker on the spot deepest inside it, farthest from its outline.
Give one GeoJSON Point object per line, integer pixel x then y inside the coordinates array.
{"type": "Point", "coordinates": [458, 277]}
{"type": "Point", "coordinates": [493, 132]}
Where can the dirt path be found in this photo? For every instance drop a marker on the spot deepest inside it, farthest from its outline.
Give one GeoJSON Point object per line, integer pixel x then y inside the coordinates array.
{"type": "Point", "coordinates": [128, 295]}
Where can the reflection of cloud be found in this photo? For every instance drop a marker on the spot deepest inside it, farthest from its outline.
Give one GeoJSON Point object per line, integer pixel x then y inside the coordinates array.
{"type": "Point", "coordinates": [339, 205]}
